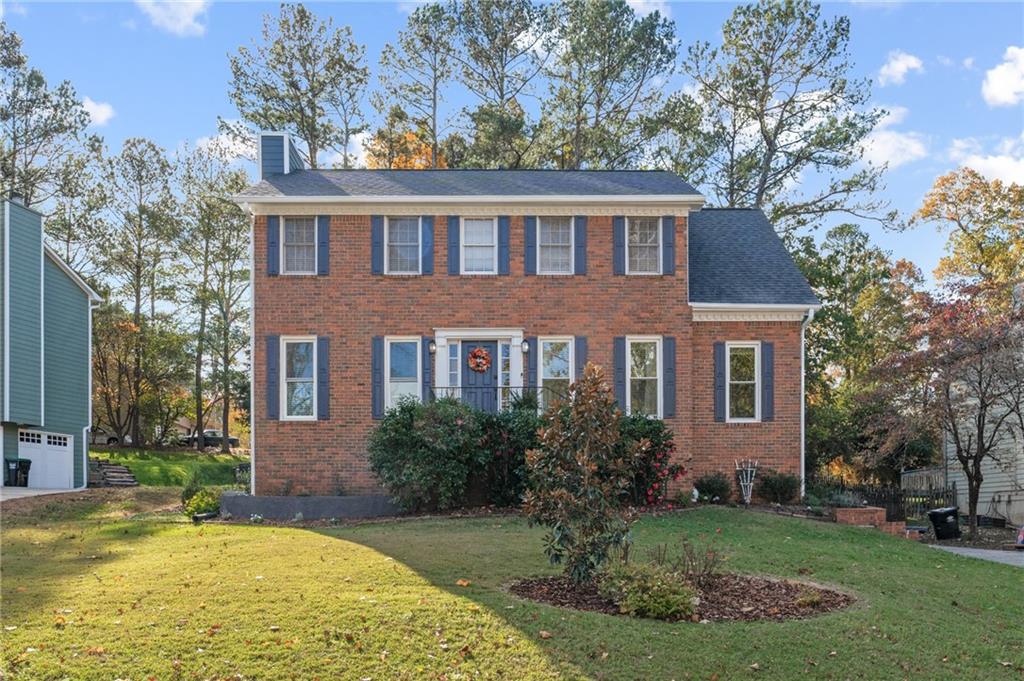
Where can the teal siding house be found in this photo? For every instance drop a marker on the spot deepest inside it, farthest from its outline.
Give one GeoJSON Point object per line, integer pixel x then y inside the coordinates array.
{"type": "Point", "coordinates": [46, 349]}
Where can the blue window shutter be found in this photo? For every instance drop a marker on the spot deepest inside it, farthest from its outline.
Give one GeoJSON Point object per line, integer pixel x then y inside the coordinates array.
{"type": "Point", "coordinates": [530, 250]}
{"type": "Point", "coordinates": [377, 377]}
{"type": "Point", "coordinates": [273, 245]}
{"type": "Point", "coordinates": [720, 381]}
{"type": "Point", "coordinates": [580, 244]}
{"type": "Point", "coordinates": [323, 378]}
{"type": "Point", "coordinates": [273, 360]}
{"type": "Point", "coordinates": [581, 356]}
{"type": "Point", "coordinates": [767, 381]}
{"type": "Point", "coordinates": [531, 362]}
{"type": "Point", "coordinates": [668, 244]}
{"type": "Point", "coordinates": [453, 244]}
{"type": "Point", "coordinates": [619, 244]}
{"type": "Point", "coordinates": [377, 244]}
{"type": "Point", "coordinates": [323, 245]}
{"type": "Point", "coordinates": [619, 370]}
{"type": "Point", "coordinates": [503, 244]}
{"type": "Point", "coordinates": [668, 398]}
{"type": "Point", "coordinates": [428, 368]}
{"type": "Point", "coordinates": [427, 245]}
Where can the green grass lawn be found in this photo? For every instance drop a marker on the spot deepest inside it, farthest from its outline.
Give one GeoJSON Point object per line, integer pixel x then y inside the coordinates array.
{"type": "Point", "coordinates": [173, 468]}
{"type": "Point", "coordinates": [91, 592]}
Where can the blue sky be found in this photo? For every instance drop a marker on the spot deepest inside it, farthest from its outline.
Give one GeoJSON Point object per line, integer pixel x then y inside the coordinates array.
{"type": "Point", "coordinates": [952, 74]}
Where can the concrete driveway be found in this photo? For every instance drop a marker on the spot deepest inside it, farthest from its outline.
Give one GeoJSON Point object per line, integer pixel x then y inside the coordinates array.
{"type": "Point", "coordinates": [1014, 558]}
{"type": "Point", "coordinates": [23, 492]}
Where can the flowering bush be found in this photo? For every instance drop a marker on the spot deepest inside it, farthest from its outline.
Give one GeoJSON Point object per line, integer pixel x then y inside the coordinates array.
{"type": "Point", "coordinates": [653, 470]}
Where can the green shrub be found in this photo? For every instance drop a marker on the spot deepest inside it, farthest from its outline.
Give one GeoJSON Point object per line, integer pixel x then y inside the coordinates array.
{"type": "Point", "coordinates": [648, 590]}
{"type": "Point", "coordinates": [778, 488]}
{"type": "Point", "coordinates": [203, 501]}
{"type": "Point", "coordinates": [191, 487]}
{"type": "Point", "coordinates": [714, 488]}
{"type": "Point", "coordinates": [653, 469]}
{"type": "Point", "coordinates": [506, 437]}
{"type": "Point", "coordinates": [424, 453]}
{"type": "Point", "coordinates": [577, 476]}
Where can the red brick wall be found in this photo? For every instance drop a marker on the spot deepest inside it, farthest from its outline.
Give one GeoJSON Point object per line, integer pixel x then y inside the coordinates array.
{"type": "Point", "coordinates": [351, 306]}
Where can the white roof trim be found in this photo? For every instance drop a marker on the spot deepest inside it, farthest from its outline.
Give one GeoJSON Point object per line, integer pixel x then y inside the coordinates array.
{"type": "Point", "coordinates": [93, 296]}
{"type": "Point", "coordinates": [477, 198]}
{"type": "Point", "coordinates": [768, 307]}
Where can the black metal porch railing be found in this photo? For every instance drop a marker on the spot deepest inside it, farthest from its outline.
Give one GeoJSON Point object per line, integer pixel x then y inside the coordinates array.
{"type": "Point", "coordinates": [499, 398]}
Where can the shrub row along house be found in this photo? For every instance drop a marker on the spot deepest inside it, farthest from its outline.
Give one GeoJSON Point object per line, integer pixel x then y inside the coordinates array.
{"type": "Point", "coordinates": [374, 285]}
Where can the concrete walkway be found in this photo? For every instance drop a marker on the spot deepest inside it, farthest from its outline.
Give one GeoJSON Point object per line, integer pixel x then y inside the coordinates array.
{"type": "Point", "coordinates": [22, 492]}
{"type": "Point", "coordinates": [1015, 558]}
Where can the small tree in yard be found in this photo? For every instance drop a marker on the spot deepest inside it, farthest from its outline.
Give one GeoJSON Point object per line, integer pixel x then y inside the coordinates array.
{"type": "Point", "coordinates": [578, 475]}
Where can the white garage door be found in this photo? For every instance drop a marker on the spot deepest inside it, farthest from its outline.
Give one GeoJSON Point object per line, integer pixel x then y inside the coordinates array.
{"type": "Point", "coordinates": [52, 456]}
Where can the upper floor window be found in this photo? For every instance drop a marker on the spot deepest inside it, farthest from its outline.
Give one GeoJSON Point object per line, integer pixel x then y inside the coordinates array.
{"type": "Point", "coordinates": [742, 371]}
{"type": "Point", "coordinates": [556, 364]}
{"type": "Point", "coordinates": [643, 246]}
{"type": "Point", "coordinates": [402, 236]}
{"type": "Point", "coordinates": [298, 386]}
{"type": "Point", "coordinates": [403, 369]}
{"type": "Point", "coordinates": [643, 361]}
{"type": "Point", "coordinates": [299, 244]}
{"type": "Point", "coordinates": [554, 244]}
{"type": "Point", "coordinates": [479, 246]}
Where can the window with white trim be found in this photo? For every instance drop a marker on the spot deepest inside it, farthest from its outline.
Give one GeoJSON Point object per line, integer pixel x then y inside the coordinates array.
{"type": "Point", "coordinates": [29, 437]}
{"type": "Point", "coordinates": [643, 245]}
{"type": "Point", "coordinates": [298, 384]}
{"type": "Point", "coordinates": [643, 364]}
{"type": "Point", "coordinates": [56, 440]}
{"type": "Point", "coordinates": [505, 373]}
{"type": "Point", "coordinates": [742, 380]}
{"type": "Point", "coordinates": [555, 375]}
{"type": "Point", "coordinates": [554, 245]}
{"type": "Point", "coordinates": [479, 246]}
{"type": "Point", "coordinates": [454, 376]}
{"type": "Point", "coordinates": [402, 237]}
{"type": "Point", "coordinates": [298, 242]}
{"type": "Point", "coordinates": [402, 356]}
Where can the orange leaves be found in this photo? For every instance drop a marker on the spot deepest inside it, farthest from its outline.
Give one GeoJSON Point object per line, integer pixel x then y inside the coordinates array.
{"type": "Point", "coordinates": [463, 582]}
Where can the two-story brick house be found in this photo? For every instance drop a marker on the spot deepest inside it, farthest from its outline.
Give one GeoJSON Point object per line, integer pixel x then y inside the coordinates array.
{"type": "Point", "coordinates": [369, 285]}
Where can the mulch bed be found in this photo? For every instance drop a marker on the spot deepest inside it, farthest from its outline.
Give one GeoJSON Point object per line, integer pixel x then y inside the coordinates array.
{"type": "Point", "coordinates": [727, 598]}
{"type": "Point", "coordinates": [988, 538]}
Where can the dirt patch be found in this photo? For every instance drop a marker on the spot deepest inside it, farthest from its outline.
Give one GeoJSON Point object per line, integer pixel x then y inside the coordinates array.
{"type": "Point", "coordinates": [727, 598]}
{"type": "Point", "coordinates": [114, 502]}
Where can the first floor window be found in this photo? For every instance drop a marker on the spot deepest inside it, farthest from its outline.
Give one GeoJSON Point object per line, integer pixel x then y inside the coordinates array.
{"type": "Point", "coordinates": [453, 368]}
{"type": "Point", "coordinates": [742, 372]}
{"type": "Point", "coordinates": [555, 245]}
{"type": "Point", "coordinates": [403, 370]}
{"type": "Point", "coordinates": [643, 246]}
{"type": "Point", "coordinates": [299, 244]}
{"type": "Point", "coordinates": [644, 364]}
{"type": "Point", "coordinates": [479, 246]}
{"type": "Point", "coordinates": [403, 245]}
{"type": "Point", "coordinates": [505, 373]}
{"type": "Point", "coordinates": [555, 369]}
{"type": "Point", "coordinates": [299, 372]}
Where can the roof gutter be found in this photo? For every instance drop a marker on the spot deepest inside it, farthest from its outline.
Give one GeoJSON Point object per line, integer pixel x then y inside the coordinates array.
{"type": "Point", "coordinates": [774, 307]}
{"type": "Point", "coordinates": [247, 199]}
{"type": "Point", "coordinates": [803, 399]}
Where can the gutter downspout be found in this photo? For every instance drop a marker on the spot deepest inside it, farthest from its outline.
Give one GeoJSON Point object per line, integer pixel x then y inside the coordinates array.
{"type": "Point", "coordinates": [803, 402]}
{"type": "Point", "coordinates": [85, 431]}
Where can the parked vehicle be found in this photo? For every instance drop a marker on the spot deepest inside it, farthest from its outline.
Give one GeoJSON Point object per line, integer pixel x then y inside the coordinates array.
{"type": "Point", "coordinates": [213, 438]}
{"type": "Point", "coordinates": [101, 436]}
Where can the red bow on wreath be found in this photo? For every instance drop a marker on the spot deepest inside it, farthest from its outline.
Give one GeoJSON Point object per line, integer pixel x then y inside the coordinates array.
{"type": "Point", "coordinates": [479, 360]}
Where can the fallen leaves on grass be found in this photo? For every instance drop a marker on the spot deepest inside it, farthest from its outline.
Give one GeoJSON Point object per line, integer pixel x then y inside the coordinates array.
{"type": "Point", "coordinates": [462, 582]}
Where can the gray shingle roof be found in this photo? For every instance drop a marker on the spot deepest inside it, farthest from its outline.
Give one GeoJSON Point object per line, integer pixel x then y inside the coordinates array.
{"type": "Point", "coordinates": [736, 257]}
{"type": "Point", "coordinates": [381, 183]}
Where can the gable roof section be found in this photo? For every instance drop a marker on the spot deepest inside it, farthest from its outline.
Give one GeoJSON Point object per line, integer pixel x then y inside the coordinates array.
{"type": "Point", "coordinates": [736, 258]}
{"type": "Point", "coordinates": [72, 275]}
{"type": "Point", "coordinates": [413, 184]}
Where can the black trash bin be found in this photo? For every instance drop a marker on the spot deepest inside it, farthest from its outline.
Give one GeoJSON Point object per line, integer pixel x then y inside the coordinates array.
{"type": "Point", "coordinates": [22, 477]}
{"type": "Point", "coordinates": [11, 472]}
{"type": "Point", "coordinates": [946, 522]}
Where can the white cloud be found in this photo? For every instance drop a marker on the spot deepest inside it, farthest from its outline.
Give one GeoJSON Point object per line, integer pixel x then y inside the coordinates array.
{"type": "Point", "coordinates": [100, 113]}
{"type": "Point", "coordinates": [356, 151]}
{"type": "Point", "coordinates": [899, 64]}
{"type": "Point", "coordinates": [968, 63]}
{"type": "Point", "coordinates": [181, 17]}
{"type": "Point", "coordinates": [893, 147]}
{"type": "Point", "coordinates": [229, 148]}
{"type": "Point", "coordinates": [1005, 162]}
{"type": "Point", "coordinates": [645, 7]}
{"type": "Point", "coordinates": [944, 60]}
{"type": "Point", "coordinates": [13, 8]}
{"type": "Point", "coordinates": [1004, 84]}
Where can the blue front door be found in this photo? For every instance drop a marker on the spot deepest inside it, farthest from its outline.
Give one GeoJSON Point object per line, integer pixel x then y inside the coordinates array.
{"type": "Point", "coordinates": [480, 388]}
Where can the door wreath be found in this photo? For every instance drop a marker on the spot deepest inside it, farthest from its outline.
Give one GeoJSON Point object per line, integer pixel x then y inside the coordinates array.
{"type": "Point", "coordinates": [479, 360]}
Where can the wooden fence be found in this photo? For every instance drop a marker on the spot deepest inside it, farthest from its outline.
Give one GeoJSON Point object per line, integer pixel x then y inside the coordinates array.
{"type": "Point", "coordinates": [899, 504]}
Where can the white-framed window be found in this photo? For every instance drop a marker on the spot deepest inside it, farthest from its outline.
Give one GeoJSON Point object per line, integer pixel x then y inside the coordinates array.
{"type": "Point", "coordinates": [56, 440]}
{"type": "Point", "coordinates": [454, 365]}
{"type": "Point", "coordinates": [555, 370]}
{"type": "Point", "coordinates": [643, 366]}
{"type": "Point", "coordinates": [30, 437]}
{"type": "Point", "coordinates": [402, 368]}
{"type": "Point", "coordinates": [743, 381]}
{"type": "Point", "coordinates": [298, 245]}
{"type": "Point", "coordinates": [505, 374]}
{"type": "Point", "coordinates": [643, 245]}
{"type": "Point", "coordinates": [402, 245]}
{"type": "Point", "coordinates": [479, 246]}
{"type": "Point", "coordinates": [554, 245]}
{"type": "Point", "coordinates": [298, 378]}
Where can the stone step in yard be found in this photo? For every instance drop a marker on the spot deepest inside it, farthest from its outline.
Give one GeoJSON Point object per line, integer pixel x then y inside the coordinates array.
{"type": "Point", "coordinates": [102, 473]}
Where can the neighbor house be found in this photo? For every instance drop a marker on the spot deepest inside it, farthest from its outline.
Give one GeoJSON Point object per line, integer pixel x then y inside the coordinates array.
{"type": "Point", "coordinates": [373, 285]}
{"type": "Point", "coordinates": [46, 401]}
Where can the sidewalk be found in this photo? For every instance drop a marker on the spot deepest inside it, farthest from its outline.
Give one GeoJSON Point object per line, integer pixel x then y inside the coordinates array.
{"type": "Point", "coordinates": [1015, 558]}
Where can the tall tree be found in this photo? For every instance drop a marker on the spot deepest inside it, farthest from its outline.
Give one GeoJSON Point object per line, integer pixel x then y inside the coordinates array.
{"type": "Point", "coordinates": [775, 102]}
{"type": "Point", "coordinates": [418, 66]}
{"type": "Point", "coordinates": [397, 144]}
{"type": "Point", "coordinates": [502, 138]}
{"type": "Point", "coordinates": [603, 77]}
{"type": "Point", "coordinates": [115, 339]}
{"type": "Point", "coordinates": [43, 128]}
{"type": "Point", "coordinates": [295, 78]}
{"type": "Point", "coordinates": [77, 217]}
